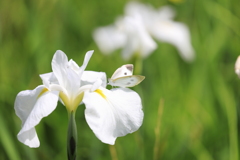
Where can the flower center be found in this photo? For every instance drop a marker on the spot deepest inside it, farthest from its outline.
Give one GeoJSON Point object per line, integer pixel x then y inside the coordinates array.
{"type": "Point", "coordinates": [71, 103]}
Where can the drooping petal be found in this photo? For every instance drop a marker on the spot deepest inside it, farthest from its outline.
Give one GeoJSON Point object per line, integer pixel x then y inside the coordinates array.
{"type": "Point", "coordinates": [31, 106]}
{"type": "Point", "coordinates": [89, 77]}
{"type": "Point", "coordinates": [29, 138]}
{"type": "Point", "coordinates": [176, 34]}
{"type": "Point", "coordinates": [113, 113]}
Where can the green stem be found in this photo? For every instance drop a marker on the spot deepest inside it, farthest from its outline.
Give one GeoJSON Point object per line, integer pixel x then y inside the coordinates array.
{"type": "Point", "coordinates": [72, 137]}
{"type": "Point", "coordinates": [137, 61]}
{"type": "Point", "coordinates": [138, 65]}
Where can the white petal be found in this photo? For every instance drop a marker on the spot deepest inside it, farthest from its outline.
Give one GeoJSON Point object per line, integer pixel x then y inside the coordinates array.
{"type": "Point", "coordinates": [29, 138]}
{"type": "Point", "coordinates": [59, 63]}
{"type": "Point", "coordinates": [109, 38]}
{"type": "Point", "coordinates": [31, 108]}
{"type": "Point", "coordinates": [166, 13]}
{"type": "Point", "coordinates": [96, 85]}
{"type": "Point", "coordinates": [90, 77]}
{"type": "Point", "coordinates": [87, 57]}
{"type": "Point", "coordinates": [113, 113]}
{"type": "Point", "coordinates": [48, 78]}
{"type": "Point", "coordinates": [65, 75]}
{"type": "Point", "coordinates": [146, 12]}
{"type": "Point", "coordinates": [176, 34]}
{"type": "Point", "coordinates": [138, 38]}
{"type": "Point", "coordinates": [73, 65]}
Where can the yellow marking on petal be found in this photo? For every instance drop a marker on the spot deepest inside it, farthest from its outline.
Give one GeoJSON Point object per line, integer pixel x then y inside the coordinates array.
{"type": "Point", "coordinates": [99, 91]}
{"type": "Point", "coordinates": [42, 92]}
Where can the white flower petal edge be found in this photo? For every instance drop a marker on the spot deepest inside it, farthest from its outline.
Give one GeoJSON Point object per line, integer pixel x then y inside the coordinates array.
{"type": "Point", "coordinates": [31, 106]}
{"type": "Point", "coordinates": [113, 113]}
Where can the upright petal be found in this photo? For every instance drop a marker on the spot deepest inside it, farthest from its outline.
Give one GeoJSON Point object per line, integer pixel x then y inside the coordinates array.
{"type": "Point", "coordinates": [59, 65]}
{"type": "Point", "coordinates": [65, 75]}
{"type": "Point", "coordinates": [138, 38]}
{"type": "Point", "coordinates": [146, 11]}
{"type": "Point", "coordinates": [85, 62]}
{"type": "Point", "coordinates": [113, 113]}
{"type": "Point", "coordinates": [73, 65]}
{"type": "Point", "coordinates": [31, 106]}
{"type": "Point", "coordinates": [165, 13]}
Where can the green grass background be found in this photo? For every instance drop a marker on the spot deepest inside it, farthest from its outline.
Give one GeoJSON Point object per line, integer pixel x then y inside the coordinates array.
{"type": "Point", "coordinates": [191, 109]}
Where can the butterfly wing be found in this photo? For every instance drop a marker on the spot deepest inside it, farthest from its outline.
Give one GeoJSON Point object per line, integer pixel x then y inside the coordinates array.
{"type": "Point", "coordinates": [127, 81]}
{"type": "Point", "coordinates": [125, 70]}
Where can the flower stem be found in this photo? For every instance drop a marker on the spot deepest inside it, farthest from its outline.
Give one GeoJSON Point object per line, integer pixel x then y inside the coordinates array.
{"type": "Point", "coordinates": [137, 61]}
{"type": "Point", "coordinates": [72, 137]}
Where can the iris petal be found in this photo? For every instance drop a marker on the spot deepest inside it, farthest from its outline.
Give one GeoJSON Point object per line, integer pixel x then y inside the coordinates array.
{"type": "Point", "coordinates": [66, 76]}
{"type": "Point", "coordinates": [113, 113]}
{"type": "Point", "coordinates": [31, 108]}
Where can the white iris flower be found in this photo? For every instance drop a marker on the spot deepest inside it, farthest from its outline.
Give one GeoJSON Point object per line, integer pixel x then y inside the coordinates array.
{"type": "Point", "coordinates": [109, 113]}
{"type": "Point", "coordinates": [133, 32]}
{"type": "Point", "coordinates": [128, 33]}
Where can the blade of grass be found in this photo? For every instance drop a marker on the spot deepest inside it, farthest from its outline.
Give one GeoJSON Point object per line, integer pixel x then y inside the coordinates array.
{"type": "Point", "coordinates": [226, 98]}
{"type": "Point", "coordinates": [200, 151]}
{"type": "Point", "coordinates": [113, 152]}
{"type": "Point", "coordinates": [157, 130]}
{"type": "Point", "coordinates": [7, 141]}
{"type": "Point", "coordinates": [224, 15]}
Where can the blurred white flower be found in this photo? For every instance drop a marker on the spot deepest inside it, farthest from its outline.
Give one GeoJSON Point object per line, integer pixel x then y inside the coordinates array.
{"type": "Point", "coordinates": [237, 67]}
{"type": "Point", "coordinates": [109, 113]}
{"type": "Point", "coordinates": [133, 32]}
{"type": "Point", "coordinates": [109, 38]}
{"type": "Point", "coordinates": [128, 33]}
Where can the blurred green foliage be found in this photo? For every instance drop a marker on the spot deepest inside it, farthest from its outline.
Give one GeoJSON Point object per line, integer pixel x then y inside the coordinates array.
{"type": "Point", "coordinates": [199, 116]}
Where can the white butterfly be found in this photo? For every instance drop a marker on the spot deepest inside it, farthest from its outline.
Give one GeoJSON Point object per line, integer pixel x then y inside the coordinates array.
{"type": "Point", "coordinates": [123, 77]}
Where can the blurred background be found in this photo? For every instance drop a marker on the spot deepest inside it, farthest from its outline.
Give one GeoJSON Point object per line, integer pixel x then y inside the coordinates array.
{"type": "Point", "coordinates": [191, 109]}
